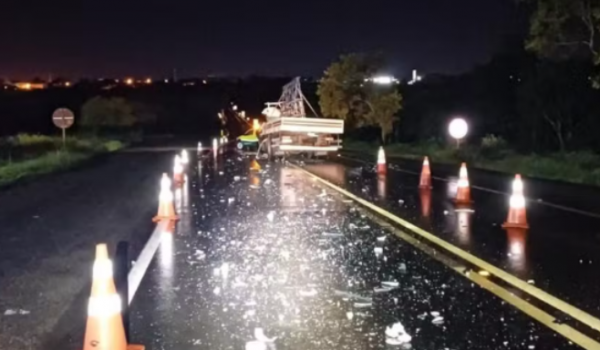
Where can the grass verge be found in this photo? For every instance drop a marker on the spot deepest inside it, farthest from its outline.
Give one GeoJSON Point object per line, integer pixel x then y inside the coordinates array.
{"type": "Point", "coordinates": [575, 167]}
{"type": "Point", "coordinates": [33, 155]}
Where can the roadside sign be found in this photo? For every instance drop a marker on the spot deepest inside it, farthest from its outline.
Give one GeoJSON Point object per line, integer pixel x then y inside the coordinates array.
{"type": "Point", "coordinates": [63, 118]}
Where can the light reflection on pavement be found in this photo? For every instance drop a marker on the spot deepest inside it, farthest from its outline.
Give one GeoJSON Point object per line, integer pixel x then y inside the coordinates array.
{"type": "Point", "coordinates": [269, 257]}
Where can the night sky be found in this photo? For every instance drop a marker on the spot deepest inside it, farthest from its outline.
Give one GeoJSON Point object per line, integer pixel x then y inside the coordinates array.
{"type": "Point", "coordinates": [110, 38]}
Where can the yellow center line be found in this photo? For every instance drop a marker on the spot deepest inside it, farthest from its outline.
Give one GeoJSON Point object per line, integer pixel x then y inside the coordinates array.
{"type": "Point", "coordinates": [539, 294]}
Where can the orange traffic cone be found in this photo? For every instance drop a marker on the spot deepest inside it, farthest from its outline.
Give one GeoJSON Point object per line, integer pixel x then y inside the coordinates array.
{"type": "Point", "coordinates": [517, 216]}
{"type": "Point", "coordinates": [166, 208]}
{"type": "Point", "coordinates": [463, 191]}
{"type": "Point", "coordinates": [178, 171]}
{"type": "Point", "coordinates": [425, 183]}
{"type": "Point", "coordinates": [381, 165]}
{"type": "Point", "coordinates": [254, 165]}
{"type": "Point", "coordinates": [104, 329]}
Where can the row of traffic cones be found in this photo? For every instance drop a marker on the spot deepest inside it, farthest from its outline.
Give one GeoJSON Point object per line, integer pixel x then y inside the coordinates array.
{"type": "Point", "coordinates": [104, 328]}
{"type": "Point", "coordinates": [517, 216]}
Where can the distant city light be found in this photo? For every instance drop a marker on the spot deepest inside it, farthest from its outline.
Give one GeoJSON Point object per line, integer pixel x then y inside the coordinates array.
{"type": "Point", "coordinates": [67, 83]}
{"type": "Point", "coordinates": [129, 81]}
{"type": "Point", "coordinates": [27, 86]}
{"type": "Point", "coordinates": [148, 81]}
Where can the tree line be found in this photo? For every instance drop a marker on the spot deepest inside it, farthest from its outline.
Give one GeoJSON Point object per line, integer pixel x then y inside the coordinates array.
{"type": "Point", "coordinates": [539, 94]}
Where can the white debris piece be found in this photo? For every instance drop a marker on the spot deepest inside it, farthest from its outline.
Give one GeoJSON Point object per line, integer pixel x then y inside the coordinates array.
{"type": "Point", "coordinates": [381, 238]}
{"type": "Point", "coordinates": [400, 201]}
{"type": "Point", "coordinates": [308, 293]}
{"type": "Point", "coordinates": [268, 182]}
{"type": "Point", "coordinates": [396, 335]}
{"type": "Point", "coordinates": [332, 234]}
{"type": "Point", "coordinates": [230, 200]}
{"type": "Point", "coordinates": [438, 320]}
{"type": "Point", "coordinates": [236, 178]}
{"type": "Point", "coordinates": [382, 289]}
{"type": "Point", "coordinates": [378, 250]}
{"type": "Point", "coordinates": [225, 270]}
{"type": "Point", "coordinates": [200, 255]}
{"type": "Point", "coordinates": [256, 345]}
{"type": "Point", "coordinates": [350, 315]}
{"type": "Point", "coordinates": [259, 334]}
{"type": "Point", "coordinates": [393, 284]}
{"type": "Point", "coordinates": [435, 313]}
{"type": "Point", "coordinates": [362, 305]}
{"type": "Point", "coordinates": [271, 216]}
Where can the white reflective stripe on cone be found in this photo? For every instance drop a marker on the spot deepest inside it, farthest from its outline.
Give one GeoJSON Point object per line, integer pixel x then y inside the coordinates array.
{"type": "Point", "coordinates": [165, 196]}
{"type": "Point", "coordinates": [104, 306]}
{"type": "Point", "coordinates": [517, 202]}
{"type": "Point", "coordinates": [103, 269]}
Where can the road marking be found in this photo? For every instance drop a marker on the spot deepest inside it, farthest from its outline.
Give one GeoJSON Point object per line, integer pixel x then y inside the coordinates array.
{"type": "Point", "coordinates": [531, 310]}
{"type": "Point", "coordinates": [485, 189]}
{"type": "Point", "coordinates": [137, 272]}
{"type": "Point", "coordinates": [539, 294]}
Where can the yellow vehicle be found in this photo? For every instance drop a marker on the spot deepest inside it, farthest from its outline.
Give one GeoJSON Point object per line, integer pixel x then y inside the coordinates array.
{"type": "Point", "coordinates": [249, 140]}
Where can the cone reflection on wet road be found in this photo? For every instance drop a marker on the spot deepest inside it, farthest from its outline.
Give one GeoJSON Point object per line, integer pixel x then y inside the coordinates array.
{"type": "Point", "coordinates": [382, 187]}
{"type": "Point", "coordinates": [425, 197]}
{"type": "Point", "coordinates": [463, 225]}
{"type": "Point", "coordinates": [516, 239]}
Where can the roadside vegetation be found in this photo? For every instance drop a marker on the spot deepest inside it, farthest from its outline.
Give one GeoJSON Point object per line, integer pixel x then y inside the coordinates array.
{"type": "Point", "coordinates": [582, 167]}
{"type": "Point", "coordinates": [25, 155]}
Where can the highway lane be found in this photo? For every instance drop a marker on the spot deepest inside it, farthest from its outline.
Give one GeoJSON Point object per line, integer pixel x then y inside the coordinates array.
{"type": "Point", "coordinates": [558, 253]}
{"type": "Point", "coordinates": [272, 254]}
{"type": "Point", "coordinates": [49, 227]}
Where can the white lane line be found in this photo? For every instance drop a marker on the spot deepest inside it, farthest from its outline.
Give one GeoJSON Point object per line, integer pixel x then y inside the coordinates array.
{"type": "Point", "coordinates": [137, 272]}
{"type": "Point", "coordinates": [485, 189]}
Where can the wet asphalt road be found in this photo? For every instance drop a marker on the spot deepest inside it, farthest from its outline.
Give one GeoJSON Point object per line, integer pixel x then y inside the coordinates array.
{"type": "Point", "coordinates": [49, 228]}
{"type": "Point", "coordinates": [269, 254]}
{"type": "Point", "coordinates": [558, 253]}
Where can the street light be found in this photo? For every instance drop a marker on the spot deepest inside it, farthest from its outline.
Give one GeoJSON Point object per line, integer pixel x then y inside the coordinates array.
{"type": "Point", "coordinates": [255, 125]}
{"type": "Point", "coordinates": [458, 129]}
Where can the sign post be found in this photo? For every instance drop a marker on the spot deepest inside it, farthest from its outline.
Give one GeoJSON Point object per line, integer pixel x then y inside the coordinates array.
{"type": "Point", "coordinates": [63, 119]}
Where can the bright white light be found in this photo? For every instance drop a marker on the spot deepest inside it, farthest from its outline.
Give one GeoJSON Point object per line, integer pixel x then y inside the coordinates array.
{"type": "Point", "coordinates": [215, 144]}
{"type": "Point", "coordinates": [384, 80]}
{"type": "Point", "coordinates": [199, 146]}
{"type": "Point", "coordinates": [458, 128]}
{"type": "Point", "coordinates": [235, 107]}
